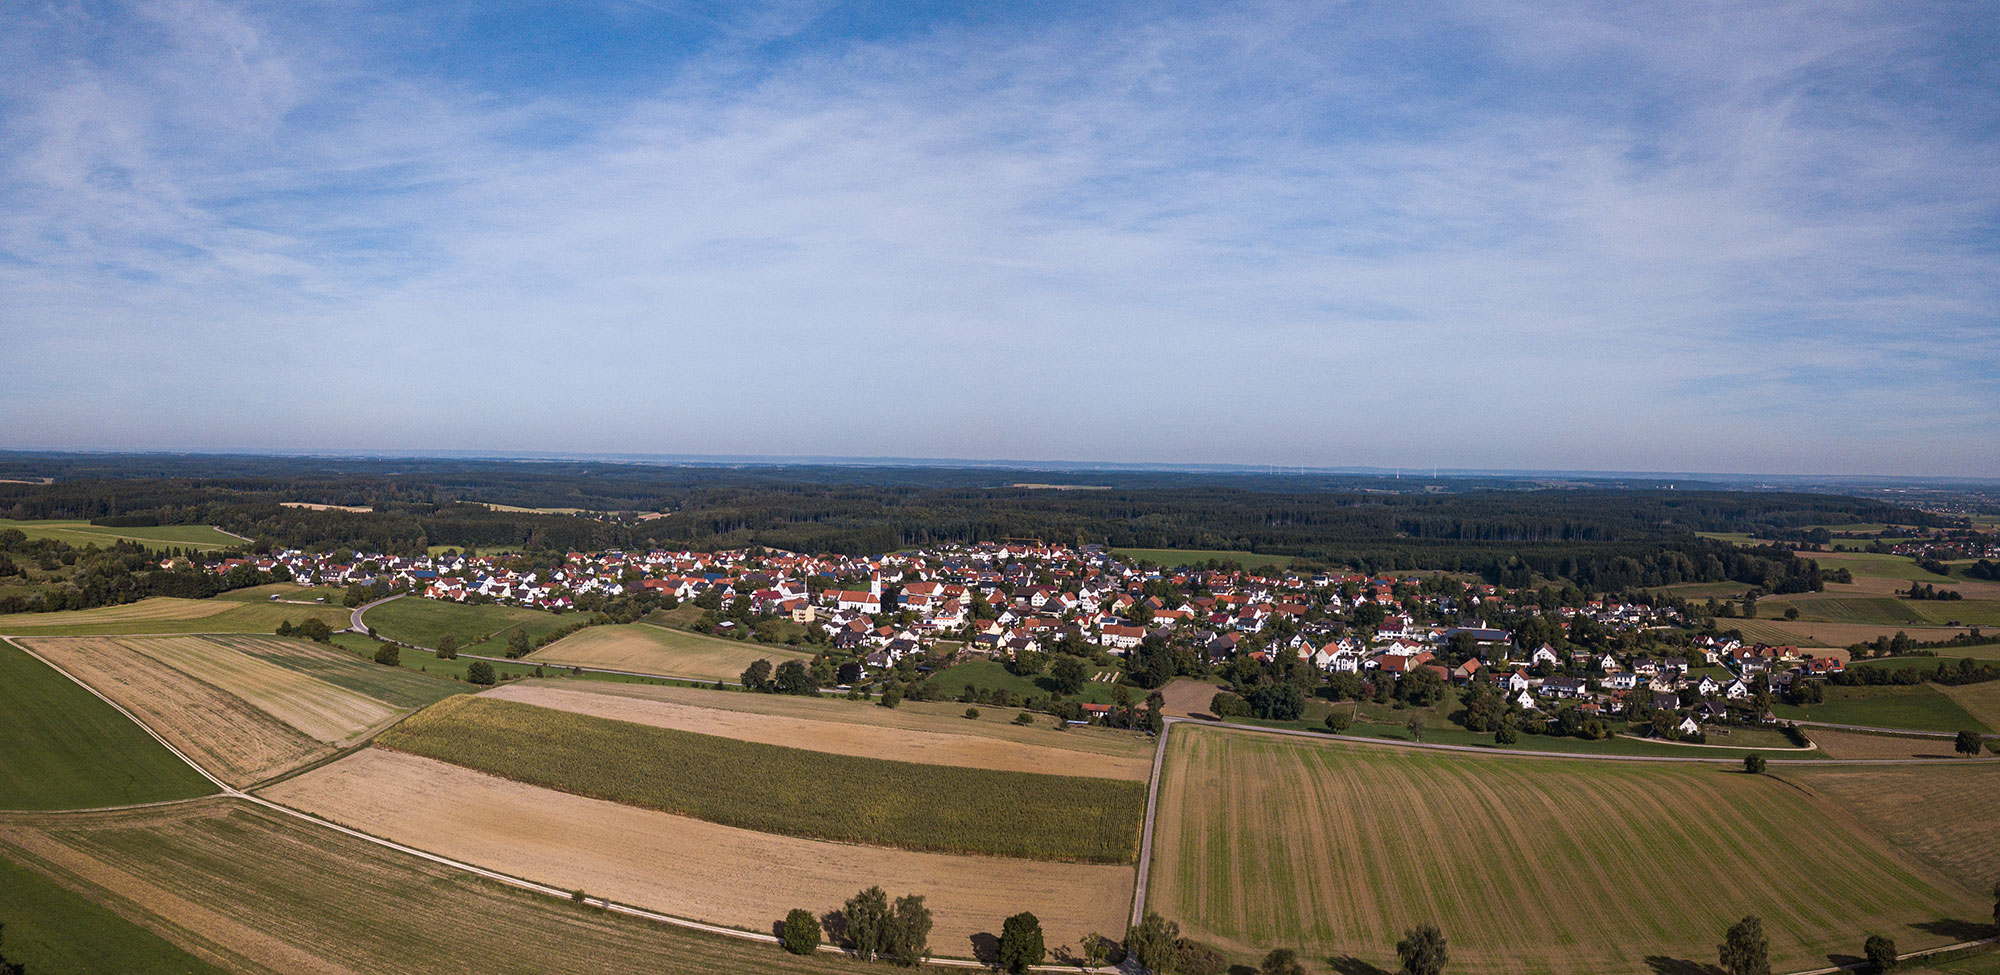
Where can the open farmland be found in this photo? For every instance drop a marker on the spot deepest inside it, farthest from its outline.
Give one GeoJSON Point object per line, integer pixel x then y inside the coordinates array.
{"type": "Point", "coordinates": [62, 748]}
{"type": "Point", "coordinates": [1982, 701]}
{"type": "Point", "coordinates": [201, 538]}
{"type": "Point", "coordinates": [331, 714]}
{"type": "Point", "coordinates": [478, 629]}
{"type": "Point", "coordinates": [776, 789]}
{"type": "Point", "coordinates": [1855, 744]}
{"type": "Point", "coordinates": [393, 686]}
{"type": "Point", "coordinates": [687, 867]}
{"type": "Point", "coordinates": [224, 733]}
{"type": "Point", "coordinates": [258, 892]}
{"type": "Point", "coordinates": [166, 614]}
{"type": "Point", "coordinates": [1807, 633]}
{"type": "Point", "coordinates": [650, 649]}
{"type": "Point", "coordinates": [1263, 842]}
{"type": "Point", "coordinates": [51, 928]}
{"type": "Point", "coordinates": [1175, 557]}
{"type": "Point", "coordinates": [947, 717]}
{"type": "Point", "coordinates": [928, 747]}
{"type": "Point", "coordinates": [1942, 814]}
{"type": "Point", "coordinates": [1914, 707]}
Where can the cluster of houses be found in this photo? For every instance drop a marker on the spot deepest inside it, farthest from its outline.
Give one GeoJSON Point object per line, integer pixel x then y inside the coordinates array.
{"type": "Point", "coordinates": [1004, 600]}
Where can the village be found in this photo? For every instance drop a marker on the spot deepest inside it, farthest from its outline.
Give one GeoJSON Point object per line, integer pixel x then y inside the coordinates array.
{"type": "Point", "coordinates": [1598, 657]}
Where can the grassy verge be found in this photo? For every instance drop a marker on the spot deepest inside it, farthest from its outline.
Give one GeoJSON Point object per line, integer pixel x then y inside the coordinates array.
{"type": "Point", "coordinates": [52, 930]}
{"type": "Point", "coordinates": [1913, 707]}
{"type": "Point", "coordinates": [775, 789]}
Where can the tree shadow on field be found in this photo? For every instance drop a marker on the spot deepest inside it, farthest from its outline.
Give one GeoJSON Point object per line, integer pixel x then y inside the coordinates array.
{"type": "Point", "coordinates": [1350, 965]}
{"type": "Point", "coordinates": [834, 924]}
{"type": "Point", "coordinates": [1838, 960]}
{"type": "Point", "coordinates": [986, 948]}
{"type": "Point", "coordinates": [1956, 930]}
{"type": "Point", "coordinates": [1242, 970]}
{"type": "Point", "coordinates": [1662, 965]}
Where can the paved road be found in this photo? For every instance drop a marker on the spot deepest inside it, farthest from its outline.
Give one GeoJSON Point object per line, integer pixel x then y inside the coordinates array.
{"type": "Point", "coordinates": [354, 619]}
{"type": "Point", "coordinates": [1146, 838]}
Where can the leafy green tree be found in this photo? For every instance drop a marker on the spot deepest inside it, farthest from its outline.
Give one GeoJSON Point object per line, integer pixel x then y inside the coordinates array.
{"type": "Point", "coordinates": [1753, 764]}
{"type": "Point", "coordinates": [1338, 720]}
{"type": "Point", "coordinates": [1506, 734]}
{"type": "Point", "coordinates": [1028, 663]}
{"type": "Point", "coordinates": [1423, 950]}
{"type": "Point", "coordinates": [1744, 949]}
{"type": "Point", "coordinates": [1151, 943]}
{"type": "Point", "coordinates": [867, 922]}
{"type": "Point", "coordinates": [479, 672]}
{"type": "Point", "coordinates": [1282, 961]}
{"type": "Point", "coordinates": [794, 679]}
{"type": "Point", "coordinates": [1092, 950]}
{"type": "Point", "coordinates": [1021, 942]}
{"type": "Point", "coordinates": [972, 713]}
{"type": "Point", "coordinates": [285, 628]}
{"type": "Point", "coordinates": [909, 931]}
{"type": "Point", "coordinates": [389, 654]}
{"type": "Point", "coordinates": [518, 644]}
{"type": "Point", "coordinates": [1881, 953]}
{"type": "Point", "coordinates": [447, 648]}
{"type": "Point", "coordinates": [1967, 743]}
{"type": "Point", "coordinates": [1416, 727]}
{"type": "Point", "coordinates": [314, 629]}
{"type": "Point", "coordinates": [1069, 674]}
{"type": "Point", "coordinates": [757, 676]}
{"type": "Point", "coordinates": [800, 934]}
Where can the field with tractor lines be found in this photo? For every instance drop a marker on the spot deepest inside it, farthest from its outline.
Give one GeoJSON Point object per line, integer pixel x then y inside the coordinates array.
{"type": "Point", "coordinates": [1527, 865]}
{"type": "Point", "coordinates": [259, 892]}
{"type": "Point", "coordinates": [686, 867]}
{"type": "Point", "coordinates": [167, 614]}
{"type": "Point", "coordinates": [837, 737]}
{"type": "Point", "coordinates": [650, 649]}
{"type": "Point", "coordinates": [775, 789]}
{"type": "Point", "coordinates": [1943, 813]}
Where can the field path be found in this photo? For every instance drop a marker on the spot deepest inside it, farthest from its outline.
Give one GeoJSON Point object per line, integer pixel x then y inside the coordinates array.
{"type": "Point", "coordinates": [354, 619]}
{"type": "Point", "coordinates": [1146, 834]}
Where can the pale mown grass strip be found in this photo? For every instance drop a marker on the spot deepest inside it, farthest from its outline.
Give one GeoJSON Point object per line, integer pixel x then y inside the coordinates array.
{"type": "Point", "coordinates": [1528, 866]}
{"type": "Point", "coordinates": [649, 649]}
{"type": "Point", "coordinates": [937, 716]}
{"type": "Point", "coordinates": [224, 733]}
{"type": "Point", "coordinates": [267, 893]}
{"type": "Point", "coordinates": [928, 747]}
{"type": "Point", "coordinates": [775, 789]}
{"type": "Point", "coordinates": [323, 711]}
{"type": "Point", "coordinates": [686, 867]}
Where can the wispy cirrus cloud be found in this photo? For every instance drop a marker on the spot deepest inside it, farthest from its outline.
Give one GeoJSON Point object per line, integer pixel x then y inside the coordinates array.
{"type": "Point", "coordinates": [1755, 237]}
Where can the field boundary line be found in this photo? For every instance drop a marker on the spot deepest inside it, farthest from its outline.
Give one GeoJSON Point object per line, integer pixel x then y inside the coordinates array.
{"type": "Point", "coordinates": [232, 534]}
{"type": "Point", "coordinates": [1897, 732]}
{"type": "Point", "coordinates": [1146, 831]}
{"type": "Point", "coordinates": [1855, 966]}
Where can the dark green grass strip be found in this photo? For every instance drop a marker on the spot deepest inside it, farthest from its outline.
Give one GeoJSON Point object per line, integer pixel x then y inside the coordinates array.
{"type": "Point", "coordinates": [390, 685]}
{"type": "Point", "coordinates": [775, 789]}
{"type": "Point", "coordinates": [52, 930]}
{"type": "Point", "coordinates": [62, 748]}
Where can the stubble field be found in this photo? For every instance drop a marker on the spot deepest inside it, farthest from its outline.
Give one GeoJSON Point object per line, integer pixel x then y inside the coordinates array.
{"type": "Point", "coordinates": [837, 737]}
{"type": "Point", "coordinates": [687, 867]}
{"type": "Point", "coordinates": [775, 789]}
{"type": "Point", "coordinates": [167, 614]}
{"type": "Point", "coordinates": [1529, 865]}
{"type": "Point", "coordinates": [258, 892]}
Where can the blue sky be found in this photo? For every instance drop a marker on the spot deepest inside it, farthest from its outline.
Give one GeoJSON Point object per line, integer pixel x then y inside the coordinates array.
{"type": "Point", "coordinates": [1705, 236]}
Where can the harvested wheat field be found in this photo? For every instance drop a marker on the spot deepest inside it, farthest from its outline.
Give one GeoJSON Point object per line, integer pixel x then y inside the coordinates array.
{"type": "Point", "coordinates": [840, 738]}
{"type": "Point", "coordinates": [944, 717]}
{"type": "Point", "coordinates": [1529, 865]}
{"type": "Point", "coordinates": [1836, 635]}
{"type": "Point", "coordinates": [1944, 814]}
{"type": "Point", "coordinates": [154, 610]}
{"type": "Point", "coordinates": [224, 733]}
{"type": "Point", "coordinates": [260, 892]}
{"type": "Point", "coordinates": [688, 867]}
{"type": "Point", "coordinates": [1188, 698]}
{"type": "Point", "coordinates": [323, 711]}
{"type": "Point", "coordinates": [648, 649]}
{"type": "Point", "coordinates": [1851, 744]}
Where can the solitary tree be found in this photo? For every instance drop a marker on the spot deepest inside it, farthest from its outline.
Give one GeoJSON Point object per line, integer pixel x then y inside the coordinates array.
{"type": "Point", "coordinates": [447, 648]}
{"type": "Point", "coordinates": [1416, 726]}
{"type": "Point", "coordinates": [1423, 950]}
{"type": "Point", "coordinates": [479, 672]}
{"type": "Point", "coordinates": [1068, 673]}
{"type": "Point", "coordinates": [1337, 721]}
{"type": "Point", "coordinates": [1745, 950]}
{"type": "Point", "coordinates": [867, 916]}
{"type": "Point", "coordinates": [1281, 961]}
{"type": "Point", "coordinates": [757, 676]}
{"type": "Point", "coordinates": [800, 935]}
{"type": "Point", "coordinates": [389, 654]}
{"type": "Point", "coordinates": [1021, 941]}
{"type": "Point", "coordinates": [1881, 952]}
{"type": "Point", "coordinates": [1753, 764]}
{"type": "Point", "coordinates": [1092, 949]}
{"type": "Point", "coordinates": [314, 629]}
{"type": "Point", "coordinates": [1151, 943]}
{"type": "Point", "coordinates": [517, 643]}
{"type": "Point", "coordinates": [909, 930]}
{"type": "Point", "coordinates": [1967, 743]}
